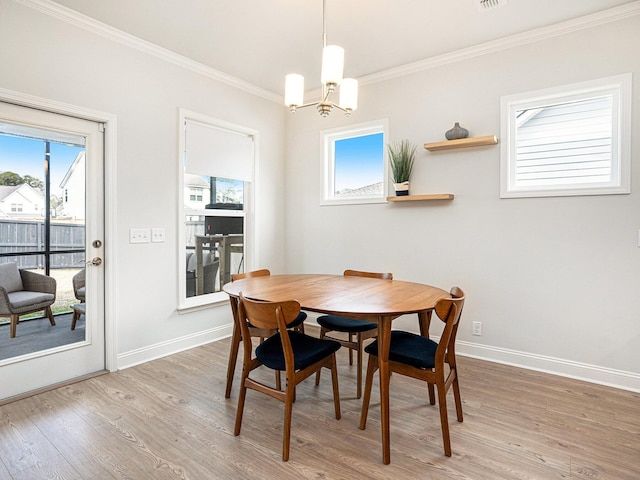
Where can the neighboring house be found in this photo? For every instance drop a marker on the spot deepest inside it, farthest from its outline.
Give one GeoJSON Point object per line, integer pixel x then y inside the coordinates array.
{"type": "Point", "coordinates": [21, 202]}
{"type": "Point", "coordinates": [196, 192]}
{"type": "Point", "coordinates": [73, 193]}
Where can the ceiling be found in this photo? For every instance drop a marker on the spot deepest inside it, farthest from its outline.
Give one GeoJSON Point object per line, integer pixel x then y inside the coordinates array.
{"type": "Point", "coordinates": [260, 41]}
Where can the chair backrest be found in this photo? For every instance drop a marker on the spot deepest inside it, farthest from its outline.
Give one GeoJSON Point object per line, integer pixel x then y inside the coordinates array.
{"type": "Point", "coordinates": [256, 273]}
{"type": "Point", "coordinates": [356, 273]}
{"type": "Point", "coordinates": [449, 310]}
{"type": "Point", "coordinates": [269, 315]}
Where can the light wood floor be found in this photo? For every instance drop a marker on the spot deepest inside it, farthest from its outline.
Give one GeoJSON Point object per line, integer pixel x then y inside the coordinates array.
{"type": "Point", "coordinates": [168, 419]}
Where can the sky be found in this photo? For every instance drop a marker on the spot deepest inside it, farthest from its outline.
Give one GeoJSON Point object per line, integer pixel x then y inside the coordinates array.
{"type": "Point", "coordinates": [26, 157]}
{"type": "Point", "coordinates": [359, 161]}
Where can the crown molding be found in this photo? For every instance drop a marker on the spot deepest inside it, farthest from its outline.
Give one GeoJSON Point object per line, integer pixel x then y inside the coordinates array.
{"type": "Point", "coordinates": [87, 23]}
{"type": "Point", "coordinates": [581, 23]}
{"type": "Point", "coordinates": [532, 36]}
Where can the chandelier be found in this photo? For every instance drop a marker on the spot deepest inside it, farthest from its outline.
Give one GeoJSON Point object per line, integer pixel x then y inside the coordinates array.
{"type": "Point", "coordinates": [331, 78]}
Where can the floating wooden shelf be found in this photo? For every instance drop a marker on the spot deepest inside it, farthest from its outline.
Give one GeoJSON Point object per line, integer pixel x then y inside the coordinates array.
{"type": "Point", "coordinates": [415, 198]}
{"type": "Point", "coordinates": [461, 143]}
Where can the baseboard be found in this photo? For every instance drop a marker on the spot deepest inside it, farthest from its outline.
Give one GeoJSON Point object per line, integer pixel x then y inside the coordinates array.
{"type": "Point", "coordinates": [555, 366]}
{"type": "Point", "coordinates": [531, 361]}
{"type": "Point", "coordinates": [159, 350]}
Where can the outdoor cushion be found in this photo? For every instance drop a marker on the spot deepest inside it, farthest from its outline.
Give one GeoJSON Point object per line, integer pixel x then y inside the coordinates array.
{"type": "Point", "coordinates": [307, 350]}
{"type": "Point", "coordinates": [408, 348]}
{"type": "Point", "coordinates": [26, 299]}
{"type": "Point", "coordinates": [10, 277]}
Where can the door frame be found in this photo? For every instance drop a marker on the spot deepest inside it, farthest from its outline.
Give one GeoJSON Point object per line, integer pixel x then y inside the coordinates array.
{"type": "Point", "coordinates": [110, 226]}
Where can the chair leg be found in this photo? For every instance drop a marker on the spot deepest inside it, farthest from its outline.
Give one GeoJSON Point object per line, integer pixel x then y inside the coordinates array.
{"type": "Point", "coordinates": [14, 323]}
{"type": "Point", "coordinates": [336, 390]}
{"type": "Point", "coordinates": [278, 380]}
{"type": "Point", "coordinates": [240, 410]}
{"type": "Point", "coordinates": [432, 394]}
{"type": "Point", "coordinates": [236, 338]}
{"type": "Point", "coordinates": [288, 410]}
{"type": "Point", "coordinates": [372, 366]}
{"type": "Point", "coordinates": [323, 332]}
{"type": "Point", "coordinates": [359, 365]}
{"type": "Point", "coordinates": [444, 420]}
{"type": "Point", "coordinates": [351, 350]}
{"type": "Point", "coordinates": [50, 315]}
{"type": "Point", "coordinates": [456, 397]}
{"type": "Point", "coordinates": [74, 319]}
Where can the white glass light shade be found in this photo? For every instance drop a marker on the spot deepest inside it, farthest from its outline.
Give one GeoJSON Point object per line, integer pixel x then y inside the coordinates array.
{"type": "Point", "coordinates": [332, 64]}
{"type": "Point", "coordinates": [294, 90]}
{"type": "Point", "coordinates": [349, 94]}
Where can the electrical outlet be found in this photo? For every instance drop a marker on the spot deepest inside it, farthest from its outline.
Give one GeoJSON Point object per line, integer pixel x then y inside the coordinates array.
{"type": "Point", "coordinates": [157, 235]}
{"type": "Point", "coordinates": [477, 328]}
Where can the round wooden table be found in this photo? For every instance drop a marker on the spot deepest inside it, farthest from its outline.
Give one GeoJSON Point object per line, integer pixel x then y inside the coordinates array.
{"type": "Point", "coordinates": [368, 299]}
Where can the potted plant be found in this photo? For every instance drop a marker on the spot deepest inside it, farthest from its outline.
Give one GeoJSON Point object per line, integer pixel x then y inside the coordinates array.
{"type": "Point", "coordinates": [401, 157]}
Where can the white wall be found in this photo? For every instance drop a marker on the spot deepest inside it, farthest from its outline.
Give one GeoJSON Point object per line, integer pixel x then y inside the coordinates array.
{"type": "Point", "coordinates": [555, 281]}
{"type": "Point", "coordinates": [44, 56]}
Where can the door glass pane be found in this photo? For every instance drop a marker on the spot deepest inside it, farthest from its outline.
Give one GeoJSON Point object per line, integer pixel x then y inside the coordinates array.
{"type": "Point", "coordinates": [42, 231]}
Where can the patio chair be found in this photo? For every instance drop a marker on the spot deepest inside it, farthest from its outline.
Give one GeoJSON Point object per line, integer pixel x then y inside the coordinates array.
{"type": "Point", "coordinates": [78, 281]}
{"type": "Point", "coordinates": [23, 292]}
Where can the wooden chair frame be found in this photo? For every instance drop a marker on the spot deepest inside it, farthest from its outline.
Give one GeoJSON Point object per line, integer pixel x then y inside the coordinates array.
{"type": "Point", "coordinates": [356, 345]}
{"type": "Point", "coordinates": [267, 316]}
{"type": "Point", "coordinates": [448, 310]}
{"type": "Point", "coordinates": [236, 336]}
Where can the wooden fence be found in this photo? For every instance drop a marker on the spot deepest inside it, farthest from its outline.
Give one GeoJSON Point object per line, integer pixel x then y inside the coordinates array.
{"type": "Point", "coordinates": [18, 236]}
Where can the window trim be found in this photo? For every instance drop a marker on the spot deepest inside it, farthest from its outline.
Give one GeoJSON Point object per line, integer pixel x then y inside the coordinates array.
{"type": "Point", "coordinates": [186, 304]}
{"type": "Point", "coordinates": [619, 86]}
{"type": "Point", "coordinates": [327, 137]}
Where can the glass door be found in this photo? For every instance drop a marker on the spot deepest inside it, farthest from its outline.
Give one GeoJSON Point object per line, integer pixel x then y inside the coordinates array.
{"type": "Point", "coordinates": [51, 227]}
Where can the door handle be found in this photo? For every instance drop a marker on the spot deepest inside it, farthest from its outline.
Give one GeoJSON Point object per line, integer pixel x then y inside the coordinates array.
{"type": "Point", "coordinates": [95, 261]}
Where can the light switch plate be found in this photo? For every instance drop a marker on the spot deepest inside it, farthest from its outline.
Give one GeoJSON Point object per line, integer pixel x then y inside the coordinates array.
{"type": "Point", "coordinates": [139, 235]}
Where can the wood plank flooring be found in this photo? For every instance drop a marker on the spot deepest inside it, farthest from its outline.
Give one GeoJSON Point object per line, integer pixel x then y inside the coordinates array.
{"type": "Point", "coordinates": [168, 419]}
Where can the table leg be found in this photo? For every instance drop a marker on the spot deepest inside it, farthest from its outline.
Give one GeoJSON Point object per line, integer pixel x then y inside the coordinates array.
{"type": "Point", "coordinates": [424, 318]}
{"type": "Point", "coordinates": [384, 340]}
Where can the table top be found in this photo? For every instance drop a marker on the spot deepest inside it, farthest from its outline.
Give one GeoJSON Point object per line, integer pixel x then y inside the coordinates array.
{"type": "Point", "coordinates": [341, 295]}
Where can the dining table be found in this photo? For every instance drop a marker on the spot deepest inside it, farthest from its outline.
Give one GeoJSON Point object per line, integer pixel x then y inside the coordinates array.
{"type": "Point", "coordinates": [367, 299]}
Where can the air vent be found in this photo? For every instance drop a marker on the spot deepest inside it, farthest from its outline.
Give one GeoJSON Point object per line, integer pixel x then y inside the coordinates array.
{"type": "Point", "coordinates": [484, 5]}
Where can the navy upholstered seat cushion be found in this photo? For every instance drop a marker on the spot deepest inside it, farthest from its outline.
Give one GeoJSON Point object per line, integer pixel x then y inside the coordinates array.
{"type": "Point", "coordinates": [342, 324]}
{"type": "Point", "coordinates": [302, 316]}
{"type": "Point", "coordinates": [307, 350]}
{"type": "Point", "coordinates": [408, 348]}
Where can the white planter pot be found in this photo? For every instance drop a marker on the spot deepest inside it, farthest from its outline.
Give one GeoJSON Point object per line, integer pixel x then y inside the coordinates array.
{"type": "Point", "coordinates": [402, 189]}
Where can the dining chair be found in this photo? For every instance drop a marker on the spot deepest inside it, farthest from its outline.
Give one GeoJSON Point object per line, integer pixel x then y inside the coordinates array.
{"type": "Point", "coordinates": [236, 337]}
{"type": "Point", "coordinates": [358, 328]}
{"type": "Point", "coordinates": [419, 357]}
{"type": "Point", "coordinates": [297, 354]}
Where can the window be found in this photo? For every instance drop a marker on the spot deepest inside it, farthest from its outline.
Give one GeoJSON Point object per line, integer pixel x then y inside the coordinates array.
{"type": "Point", "coordinates": [354, 164]}
{"type": "Point", "coordinates": [16, 207]}
{"type": "Point", "coordinates": [570, 140]}
{"type": "Point", "coordinates": [196, 194]}
{"type": "Point", "coordinates": [216, 216]}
